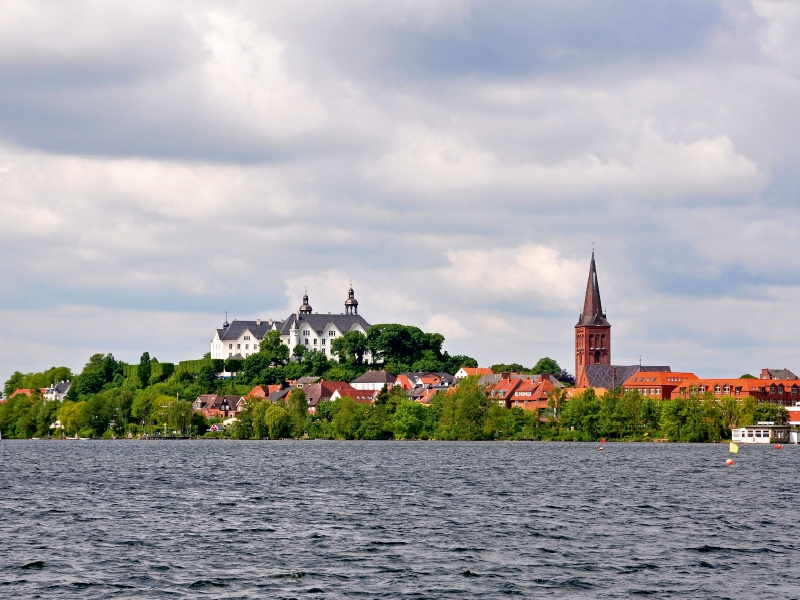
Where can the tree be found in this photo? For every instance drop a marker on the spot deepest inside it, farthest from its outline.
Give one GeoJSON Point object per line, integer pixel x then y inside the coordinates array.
{"type": "Point", "coordinates": [555, 400]}
{"type": "Point", "coordinates": [402, 344]}
{"type": "Point", "coordinates": [350, 347]}
{"type": "Point", "coordinates": [273, 348]}
{"type": "Point", "coordinates": [771, 412]}
{"type": "Point", "coordinates": [747, 376]}
{"type": "Point", "coordinates": [144, 370]}
{"type": "Point", "coordinates": [278, 421]}
{"type": "Point", "coordinates": [348, 419]}
{"type": "Point", "coordinates": [408, 419]}
{"type": "Point", "coordinates": [547, 365]}
{"type": "Point", "coordinates": [299, 351]}
{"type": "Point", "coordinates": [297, 405]}
{"type": "Point", "coordinates": [508, 368]}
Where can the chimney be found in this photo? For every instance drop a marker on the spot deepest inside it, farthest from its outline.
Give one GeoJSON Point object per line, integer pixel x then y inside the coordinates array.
{"type": "Point", "coordinates": [258, 321]}
{"type": "Point", "coordinates": [505, 375]}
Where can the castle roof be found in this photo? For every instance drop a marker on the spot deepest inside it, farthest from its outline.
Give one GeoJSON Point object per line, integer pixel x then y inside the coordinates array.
{"type": "Point", "coordinates": [319, 322]}
{"type": "Point", "coordinates": [258, 328]}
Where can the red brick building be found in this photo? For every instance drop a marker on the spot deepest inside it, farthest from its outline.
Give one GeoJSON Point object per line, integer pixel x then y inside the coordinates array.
{"type": "Point", "coordinates": [658, 384]}
{"type": "Point", "coordinates": [593, 331]}
{"type": "Point", "coordinates": [528, 392]}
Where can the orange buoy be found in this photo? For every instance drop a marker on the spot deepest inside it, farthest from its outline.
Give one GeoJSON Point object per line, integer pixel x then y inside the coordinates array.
{"type": "Point", "coordinates": [729, 462]}
{"type": "Point", "coordinates": [778, 447]}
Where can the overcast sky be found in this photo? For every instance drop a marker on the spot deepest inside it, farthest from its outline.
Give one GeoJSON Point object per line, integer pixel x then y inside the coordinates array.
{"type": "Point", "coordinates": [163, 162]}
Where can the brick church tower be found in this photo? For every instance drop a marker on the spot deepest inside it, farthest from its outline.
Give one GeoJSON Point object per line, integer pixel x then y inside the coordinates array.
{"type": "Point", "coordinates": [593, 332]}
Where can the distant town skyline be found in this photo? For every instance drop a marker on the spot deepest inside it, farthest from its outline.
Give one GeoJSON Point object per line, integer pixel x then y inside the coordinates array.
{"type": "Point", "coordinates": [161, 163]}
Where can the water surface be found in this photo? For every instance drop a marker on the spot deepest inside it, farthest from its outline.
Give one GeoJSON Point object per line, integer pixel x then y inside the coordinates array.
{"type": "Point", "coordinates": [223, 519]}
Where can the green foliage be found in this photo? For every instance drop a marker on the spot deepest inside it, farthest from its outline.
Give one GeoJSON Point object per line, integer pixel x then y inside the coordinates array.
{"type": "Point", "coordinates": [408, 419]}
{"type": "Point", "coordinates": [233, 365]}
{"type": "Point", "coordinates": [278, 421]}
{"type": "Point", "coordinates": [143, 373]}
{"type": "Point", "coordinates": [547, 365]}
{"type": "Point", "coordinates": [747, 376]}
{"type": "Point", "coordinates": [350, 347]}
{"type": "Point", "coordinates": [36, 380]}
{"type": "Point", "coordinates": [273, 350]}
{"type": "Point", "coordinates": [504, 368]}
{"type": "Point", "coordinates": [770, 412]}
{"type": "Point", "coordinates": [297, 407]}
{"type": "Point", "coordinates": [99, 372]}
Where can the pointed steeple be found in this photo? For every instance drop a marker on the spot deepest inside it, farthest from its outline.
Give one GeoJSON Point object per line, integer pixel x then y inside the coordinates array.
{"type": "Point", "coordinates": [592, 305]}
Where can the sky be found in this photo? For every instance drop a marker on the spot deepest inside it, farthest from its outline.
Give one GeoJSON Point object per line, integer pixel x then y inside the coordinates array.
{"type": "Point", "coordinates": [163, 162]}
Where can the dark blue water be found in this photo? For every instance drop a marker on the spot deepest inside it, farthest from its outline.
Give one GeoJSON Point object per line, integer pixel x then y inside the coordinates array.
{"type": "Point", "coordinates": [92, 519]}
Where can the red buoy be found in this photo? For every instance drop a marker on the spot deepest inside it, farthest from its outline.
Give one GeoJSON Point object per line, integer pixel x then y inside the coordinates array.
{"type": "Point", "coordinates": [729, 462]}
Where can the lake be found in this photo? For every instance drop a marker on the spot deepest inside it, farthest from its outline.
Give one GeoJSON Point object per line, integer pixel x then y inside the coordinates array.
{"type": "Point", "coordinates": [322, 519]}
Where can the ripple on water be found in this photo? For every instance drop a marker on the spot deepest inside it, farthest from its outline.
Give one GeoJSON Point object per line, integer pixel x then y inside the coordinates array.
{"type": "Point", "coordinates": [384, 519]}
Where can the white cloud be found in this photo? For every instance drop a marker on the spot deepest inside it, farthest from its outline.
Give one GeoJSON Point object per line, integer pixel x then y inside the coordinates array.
{"type": "Point", "coordinates": [530, 270]}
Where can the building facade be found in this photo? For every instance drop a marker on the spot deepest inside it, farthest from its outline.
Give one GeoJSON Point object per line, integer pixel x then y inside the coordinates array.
{"type": "Point", "coordinates": [305, 327]}
{"type": "Point", "coordinates": [593, 331]}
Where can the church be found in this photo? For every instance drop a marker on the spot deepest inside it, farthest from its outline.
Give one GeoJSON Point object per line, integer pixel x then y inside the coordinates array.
{"type": "Point", "coordinates": [593, 366]}
{"type": "Point", "coordinates": [315, 331]}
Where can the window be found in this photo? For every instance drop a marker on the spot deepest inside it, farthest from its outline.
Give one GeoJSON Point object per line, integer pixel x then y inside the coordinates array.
{"type": "Point", "coordinates": [717, 389]}
{"type": "Point", "coordinates": [306, 340]}
{"type": "Point", "coordinates": [331, 333]}
{"type": "Point", "coordinates": [238, 346]}
{"type": "Point", "coordinates": [738, 390]}
{"type": "Point", "coordinates": [315, 341]}
{"type": "Point", "coordinates": [306, 332]}
{"type": "Point", "coordinates": [780, 389]}
{"type": "Point", "coordinates": [230, 346]}
{"type": "Point", "coordinates": [322, 341]}
{"type": "Point", "coordinates": [230, 354]}
{"type": "Point", "coordinates": [247, 337]}
{"type": "Point", "coordinates": [726, 390]}
{"type": "Point", "coordinates": [247, 346]}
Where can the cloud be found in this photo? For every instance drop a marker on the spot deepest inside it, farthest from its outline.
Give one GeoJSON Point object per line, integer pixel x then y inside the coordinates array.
{"type": "Point", "coordinates": [454, 158]}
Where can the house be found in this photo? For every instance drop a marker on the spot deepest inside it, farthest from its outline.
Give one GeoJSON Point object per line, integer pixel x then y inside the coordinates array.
{"type": "Point", "coordinates": [304, 381]}
{"type": "Point", "coordinates": [317, 331]}
{"type": "Point", "coordinates": [778, 374]}
{"type": "Point", "coordinates": [608, 377]}
{"type": "Point", "coordinates": [794, 414]}
{"type": "Point", "coordinates": [374, 380]}
{"type": "Point", "coordinates": [323, 391]}
{"type": "Point", "coordinates": [57, 391]}
{"type": "Point", "coordinates": [263, 391]}
{"type": "Point", "coordinates": [426, 394]}
{"type": "Point", "coordinates": [657, 384]}
{"type": "Point", "coordinates": [240, 339]}
{"type": "Point", "coordinates": [526, 392]}
{"type": "Point", "coordinates": [360, 396]}
{"type": "Point", "coordinates": [214, 405]}
{"type": "Point", "coordinates": [305, 327]}
{"type": "Point", "coordinates": [26, 392]}
{"type": "Point", "coordinates": [471, 372]}
{"type": "Point", "coordinates": [783, 392]}
{"type": "Point", "coordinates": [410, 381]}
{"type": "Point", "coordinates": [765, 432]}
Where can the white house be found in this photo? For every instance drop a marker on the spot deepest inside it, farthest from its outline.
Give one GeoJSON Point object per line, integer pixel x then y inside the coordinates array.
{"type": "Point", "coordinates": [315, 331]}
{"type": "Point", "coordinates": [240, 338]}
{"type": "Point", "coordinates": [374, 381]}
{"type": "Point", "coordinates": [765, 432]}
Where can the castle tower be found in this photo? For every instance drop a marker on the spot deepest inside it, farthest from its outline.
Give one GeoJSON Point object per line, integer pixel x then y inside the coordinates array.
{"type": "Point", "coordinates": [305, 309]}
{"type": "Point", "coordinates": [351, 304]}
{"type": "Point", "coordinates": [593, 332]}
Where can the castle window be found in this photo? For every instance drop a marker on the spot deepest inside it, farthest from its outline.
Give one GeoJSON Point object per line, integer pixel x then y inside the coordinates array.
{"type": "Point", "coordinates": [332, 333]}
{"type": "Point", "coordinates": [315, 341]}
{"type": "Point", "coordinates": [306, 341]}
{"type": "Point", "coordinates": [247, 346]}
{"type": "Point", "coordinates": [322, 341]}
{"type": "Point", "coordinates": [230, 346]}
{"type": "Point", "coordinates": [238, 346]}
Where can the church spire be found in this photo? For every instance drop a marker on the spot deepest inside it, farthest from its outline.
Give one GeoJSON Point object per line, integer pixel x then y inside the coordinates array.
{"type": "Point", "coordinates": [592, 305]}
